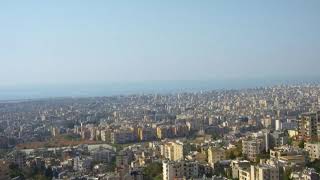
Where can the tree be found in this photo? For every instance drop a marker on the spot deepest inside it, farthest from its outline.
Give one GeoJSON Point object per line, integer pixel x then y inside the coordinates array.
{"type": "Point", "coordinates": [301, 144]}
{"type": "Point", "coordinates": [290, 141]}
{"type": "Point", "coordinates": [215, 136]}
{"type": "Point", "coordinates": [152, 171]}
{"type": "Point", "coordinates": [15, 171]}
{"type": "Point", "coordinates": [230, 154]}
{"type": "Point", "coordinates": [235, 152]}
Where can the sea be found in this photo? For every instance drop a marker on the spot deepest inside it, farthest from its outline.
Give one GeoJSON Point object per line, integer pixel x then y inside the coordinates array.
{"type": "Point", "coordinates": [28, 92]}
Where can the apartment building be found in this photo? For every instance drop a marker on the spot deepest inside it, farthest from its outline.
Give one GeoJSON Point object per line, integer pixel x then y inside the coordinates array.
{"type": "Point", "coordinates": [180, 169]}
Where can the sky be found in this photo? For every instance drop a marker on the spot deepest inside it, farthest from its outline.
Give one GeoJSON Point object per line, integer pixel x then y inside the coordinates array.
{"type": "Point", "coordinates": [82, 41]}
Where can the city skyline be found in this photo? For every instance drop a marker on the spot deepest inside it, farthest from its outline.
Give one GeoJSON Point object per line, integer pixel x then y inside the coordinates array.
{"type": "Point", "coordinates": [159, 90]}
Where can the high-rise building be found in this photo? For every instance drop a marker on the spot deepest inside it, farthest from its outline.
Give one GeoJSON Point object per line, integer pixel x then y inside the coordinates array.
{"type": "Point", "coordinates": [123, 136]}
{"type": "Point", "coordinates": [164, 132]}
{"type": "Point", "coordinates": [173, 151]}
{"type": "Point", "coordinates": [146, 134]}
{"type": "Point", "coordinates": [252, 148]}
{"type": "Point", "coordinates": [106, 135]}
{"type": "Point", "coordinates": [308, 127]}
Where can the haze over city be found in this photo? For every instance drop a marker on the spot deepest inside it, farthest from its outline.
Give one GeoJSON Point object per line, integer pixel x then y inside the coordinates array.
{"type": "Point", "coordinates": [160, 90]}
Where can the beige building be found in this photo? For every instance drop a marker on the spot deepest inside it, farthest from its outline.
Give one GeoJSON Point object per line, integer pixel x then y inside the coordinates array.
{"type": "Point", "coordinates": [197, 156]}
{"type": "Point", "coordinates": [278, 152]}
{"type": "Point", "coordinates": [236, 165]}
{"type": "Point", "coordinates": [293, 133]}
{"type": "Point", "coordinates": [298, 160]}
{"type": "Point", "coordinates": [215, 154]}
{"type": "Point", "coordinates": [172, 151]}
{"type": "Point", "coordinates": [263, 103]}
{"type": "Point", "coordinates": [252, 148]}
{"type": "Point", "coordinates": [261, 171]}
{"type": "Point", "coordinates": [289, 155]}
{"type": "Point", "coordinates": [313, 150]}
{"type": "Point", "coordinates": [105, 135]}
{"type": "Point", "coordinates": [244, 174]}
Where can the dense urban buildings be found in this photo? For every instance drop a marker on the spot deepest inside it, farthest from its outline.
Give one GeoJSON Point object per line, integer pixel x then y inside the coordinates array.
{"type": "Point", "coordinates": [267, 133]}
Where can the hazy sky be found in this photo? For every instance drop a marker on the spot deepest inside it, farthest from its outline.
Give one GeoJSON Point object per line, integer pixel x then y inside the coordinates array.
{"type": "Point", "coordinates": [77, 41]}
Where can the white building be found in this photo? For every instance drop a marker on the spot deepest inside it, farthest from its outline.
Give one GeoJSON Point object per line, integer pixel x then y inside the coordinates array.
{"type": "Point", "coordinates": [180, 169]}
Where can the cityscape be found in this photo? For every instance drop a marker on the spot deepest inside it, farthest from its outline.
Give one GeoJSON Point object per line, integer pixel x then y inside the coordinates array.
{"type": "Point", "coordinates": [160, 90]}
{"type": "Point", "coordinates": [259, 133]}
